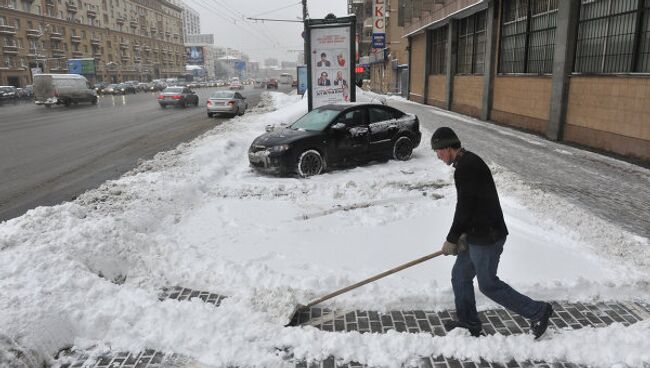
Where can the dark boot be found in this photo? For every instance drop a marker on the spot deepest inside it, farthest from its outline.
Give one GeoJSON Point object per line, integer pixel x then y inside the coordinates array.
{"type": "Point", "coordinates": [474, 331]}
{"type": "Point", "coordinates": [539, 326]}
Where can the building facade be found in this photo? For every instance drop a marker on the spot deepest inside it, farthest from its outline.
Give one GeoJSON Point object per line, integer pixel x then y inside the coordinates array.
{"type": "Point", "coordinates": [129, 39]}
{"type": "Point", "coordinates": [388, 67]}
{"type": "Point", "coordinates": [191, 18]}
{"type": "Point", "coordinates": [576, 70]}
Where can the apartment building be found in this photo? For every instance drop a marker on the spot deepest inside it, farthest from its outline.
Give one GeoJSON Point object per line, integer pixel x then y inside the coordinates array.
{"type": "Point", "coordinates": [572, 70]}
{"type": "Point", "coordinates": [128, 39]}
{"type": "Point", "coordinates": [191, 18]}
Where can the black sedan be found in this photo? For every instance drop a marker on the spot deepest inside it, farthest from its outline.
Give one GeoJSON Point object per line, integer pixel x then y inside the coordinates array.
{"type": "Point", "coordinates": [178, 96]}
{"type": "Point", "coordinates": [336, 135]}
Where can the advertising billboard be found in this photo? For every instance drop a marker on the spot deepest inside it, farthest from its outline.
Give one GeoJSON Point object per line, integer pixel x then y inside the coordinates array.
{"type": "Point", "coordinates": [81, 66]}
{"type": "Point", "coordinates": [302, 79]}
{"type": "Point", "coordinates": [332, 61]}
{"type": "Point", "coordinates": [194, 55]}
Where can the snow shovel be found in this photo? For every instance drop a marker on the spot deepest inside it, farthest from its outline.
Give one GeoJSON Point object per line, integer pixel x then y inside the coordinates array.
{"type": "Point", "coordinates": [296, 312]}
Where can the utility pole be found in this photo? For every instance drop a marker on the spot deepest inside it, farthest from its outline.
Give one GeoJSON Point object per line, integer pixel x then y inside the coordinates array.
{"type": "Point", "coordinates": [304, 32]}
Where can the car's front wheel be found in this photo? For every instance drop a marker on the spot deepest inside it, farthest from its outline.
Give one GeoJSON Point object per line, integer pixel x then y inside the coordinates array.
{"type": "Point", "coordinates": [310, 163]}
{"type": "Point", "coordinates": [402, 149]}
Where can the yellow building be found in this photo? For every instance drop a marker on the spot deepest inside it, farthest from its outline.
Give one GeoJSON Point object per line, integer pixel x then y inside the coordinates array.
{"type": "Point", "coordinates": [129, 39]}
{"type": "Point", "coordinates": [574, 70]}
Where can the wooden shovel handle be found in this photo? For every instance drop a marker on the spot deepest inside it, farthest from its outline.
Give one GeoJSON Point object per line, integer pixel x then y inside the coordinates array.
{"type": "Point", "coordinates": [373, 278]}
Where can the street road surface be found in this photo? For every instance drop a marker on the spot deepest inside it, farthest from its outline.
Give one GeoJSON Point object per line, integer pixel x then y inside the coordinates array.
{"type": "Point", "coordinates": [48, 156]}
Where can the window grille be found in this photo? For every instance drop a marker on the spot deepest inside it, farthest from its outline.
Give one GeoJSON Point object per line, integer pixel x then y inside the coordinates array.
{"type": "Point", "coordinates": [471, 44]}
{"type": "Point", "coordinates": [613, 36]}
{"type": "Point", "coordinates": [439, 50]}
{"type": "Point", "coordinates": [528, 36]}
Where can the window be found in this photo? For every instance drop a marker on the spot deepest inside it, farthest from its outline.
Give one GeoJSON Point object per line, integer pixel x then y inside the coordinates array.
{"type": "Point", "coordinates": [377, 114]}
{"type": "Point", "coordinates": [528, 36]}
{"type": "Point", "coordinates": [471, 44]}
{"type": "Point", "coordinates": [613, 37]}
{"type": "Point", "coordinates": [439, 50]}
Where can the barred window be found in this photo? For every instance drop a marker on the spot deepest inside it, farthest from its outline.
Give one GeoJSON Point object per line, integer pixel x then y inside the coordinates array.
{"type": "Point", "coordinates": [613, 36]}
{"type": "Point", "coordinates": [471, 44]}
{"type": "Point", "coordinates": [528, 36]}
{"type": "Point", "coordinates": [439, 50]}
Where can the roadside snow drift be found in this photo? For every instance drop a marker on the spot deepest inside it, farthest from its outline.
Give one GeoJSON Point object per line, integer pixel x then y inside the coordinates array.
{"type": "Point", "coordinates": [90, 272]}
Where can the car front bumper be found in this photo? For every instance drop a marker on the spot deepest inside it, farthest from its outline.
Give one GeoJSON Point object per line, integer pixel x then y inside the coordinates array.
{"type": "Point", "coordinates": [271, 163]}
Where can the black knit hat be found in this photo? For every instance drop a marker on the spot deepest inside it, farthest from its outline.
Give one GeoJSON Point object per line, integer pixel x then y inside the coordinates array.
{"type": "Point", "coordinates": [444, 137]}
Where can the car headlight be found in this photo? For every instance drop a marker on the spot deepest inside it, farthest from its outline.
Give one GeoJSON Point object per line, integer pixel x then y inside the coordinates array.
{"type": "Point", "coordinates": [279, 148]}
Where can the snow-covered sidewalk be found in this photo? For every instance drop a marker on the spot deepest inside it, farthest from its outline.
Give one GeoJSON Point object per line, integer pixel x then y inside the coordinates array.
{"type": "Point", "coordinates": [199, 217]}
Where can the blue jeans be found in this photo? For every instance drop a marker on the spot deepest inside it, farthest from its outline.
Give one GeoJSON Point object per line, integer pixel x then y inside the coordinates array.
{"type": "Point", "coordinates": [482, 261]}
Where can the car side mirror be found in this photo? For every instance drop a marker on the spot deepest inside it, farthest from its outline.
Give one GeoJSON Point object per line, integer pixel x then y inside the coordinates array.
{"type": "Point", "coordinates": [339, 127]}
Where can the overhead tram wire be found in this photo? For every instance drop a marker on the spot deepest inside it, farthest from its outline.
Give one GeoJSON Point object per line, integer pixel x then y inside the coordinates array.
{"type": "Point", "coordinates": [235, 23]}
{"type": "Point", "coordinates": [274, 10]}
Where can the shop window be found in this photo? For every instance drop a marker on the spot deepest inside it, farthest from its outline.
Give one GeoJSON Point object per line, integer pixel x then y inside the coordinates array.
{"type": "Point", "coordinates": [439, 50]}
{"type": "Point", "coordinates": [613, 37]}
{"type": "Point", "coordinates": [471, 44]}
{"type": "Point", "coordinates": [528, 36]}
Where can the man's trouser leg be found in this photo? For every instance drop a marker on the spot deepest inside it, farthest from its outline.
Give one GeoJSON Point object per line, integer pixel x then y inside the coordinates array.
{"type": "Point", "coordinates": [485, 259]}
{"type": "Point", "coordinates": [462, 276]}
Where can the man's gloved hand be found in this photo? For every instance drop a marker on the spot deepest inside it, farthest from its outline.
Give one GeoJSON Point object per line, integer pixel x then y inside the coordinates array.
{"type": "Point", "coordinates": [463, 245]}
{"type": "Point", "coordinates": [449, 249]}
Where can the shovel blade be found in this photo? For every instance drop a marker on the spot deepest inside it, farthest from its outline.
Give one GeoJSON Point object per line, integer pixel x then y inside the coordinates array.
{"type": "Point", "coordinates": [294, 318]}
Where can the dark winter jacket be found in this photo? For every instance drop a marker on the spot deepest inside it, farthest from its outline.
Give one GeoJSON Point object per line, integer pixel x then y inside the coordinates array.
{"type": "Point", "coordinates": [478, 211]}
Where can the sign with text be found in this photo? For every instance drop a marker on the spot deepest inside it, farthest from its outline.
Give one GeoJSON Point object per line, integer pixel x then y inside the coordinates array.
{"type": "Point", "coordinates": [378, 40]}
{"type": "Point", "coordinates": [81, 66]}
{"type": "Point", "coordinates": [332, 61]}
{"type": "Point", "coordinates": [379, 23]}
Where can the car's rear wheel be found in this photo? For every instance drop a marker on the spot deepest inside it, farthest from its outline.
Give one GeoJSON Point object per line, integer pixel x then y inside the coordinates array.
{"type": "Point", "coordinates": [402, 149]}
{"type": "Point", "coordinates": [310, 163]}
{"type": "Point", "coordinates": [210, 114]}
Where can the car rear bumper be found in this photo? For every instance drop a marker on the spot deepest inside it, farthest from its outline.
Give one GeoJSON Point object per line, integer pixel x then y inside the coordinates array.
{"type": "Point", "coordinates": [221, 109]}
{"type": "Point", "coordinates": [48, 101]}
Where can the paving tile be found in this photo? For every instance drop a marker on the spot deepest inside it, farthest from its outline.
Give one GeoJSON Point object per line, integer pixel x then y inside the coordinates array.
{"type": "Point", "coordinates": [567, 315]}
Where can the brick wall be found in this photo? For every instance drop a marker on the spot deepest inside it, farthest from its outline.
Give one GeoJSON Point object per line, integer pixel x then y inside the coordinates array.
{"type": "Point", "coordinates": [417, 67]}
{"type": "Point", "coordinates": [610, 113]}
{"type": "Point", "coordinates": [468, 94]}
{"type": "Point", "coordinates": [522, 101]}
{"type": "Point", "coordinates": [437, 88]}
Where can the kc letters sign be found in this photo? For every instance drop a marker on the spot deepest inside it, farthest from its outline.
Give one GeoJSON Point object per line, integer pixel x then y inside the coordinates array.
{"type": "Point", "coordinates": [379, 24]}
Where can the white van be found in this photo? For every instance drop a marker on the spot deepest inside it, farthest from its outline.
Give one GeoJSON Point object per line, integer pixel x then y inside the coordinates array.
{"type": "Point", "coordinates": [50, 89]}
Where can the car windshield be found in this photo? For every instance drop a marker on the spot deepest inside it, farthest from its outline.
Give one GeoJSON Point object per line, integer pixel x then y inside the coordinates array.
{"type": "Point", "coordinates": [316, 120]}
{"type": "Point", "coordinates": [174, 89]}
{"type": "Point", "coordinates": [6, 89]}
{"type": "Point", "coordinates": [223, 94]}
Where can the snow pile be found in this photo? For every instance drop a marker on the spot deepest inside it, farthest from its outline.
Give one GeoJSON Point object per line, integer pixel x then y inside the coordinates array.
{"type": "Point", "coordinates": [199, 217]}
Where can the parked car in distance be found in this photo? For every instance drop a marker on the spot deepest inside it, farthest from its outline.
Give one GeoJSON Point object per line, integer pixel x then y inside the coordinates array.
{"type": "Point", "coordinates": [259, 83]}
{"type": "Point", "coordinates": [178, 96]}
{"type": "Point", "coordinates": [336, 135]}
{"type": "Point", "coordinates": [26, 92]}
{"type": "Point", "coordinates": [272, 83]}
{"type": "Point", "coordinates": [8, 93]}
{"type": "Point", "coordinates": [236, 85]}
{"type": "Point", "coordinates": [226, 102]}
{"type": "Point", "coordinates": [50, 89]}
{"type": "Point", "coordinates": [123, 89]}
{"type": "Point", "coordinates": [100, 86]}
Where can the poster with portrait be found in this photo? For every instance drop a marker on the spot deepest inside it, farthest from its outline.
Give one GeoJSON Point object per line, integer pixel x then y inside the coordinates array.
{"type": "Point", "coordinates": [194, 55]}
{"type": "Point", "coordinates": [331, 64]}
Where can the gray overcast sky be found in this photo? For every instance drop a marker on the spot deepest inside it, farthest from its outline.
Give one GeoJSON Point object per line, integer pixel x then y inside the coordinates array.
{"type": "Point", "coordinates": [259, 40]}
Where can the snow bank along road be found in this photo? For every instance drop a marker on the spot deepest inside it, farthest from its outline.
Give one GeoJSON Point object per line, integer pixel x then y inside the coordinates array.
{"type": "Point", "coordinates": [91, 271]}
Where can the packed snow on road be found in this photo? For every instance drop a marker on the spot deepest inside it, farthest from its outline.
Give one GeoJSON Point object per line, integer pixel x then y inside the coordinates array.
{"type": "Point", "coordinates": [89, 273]}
